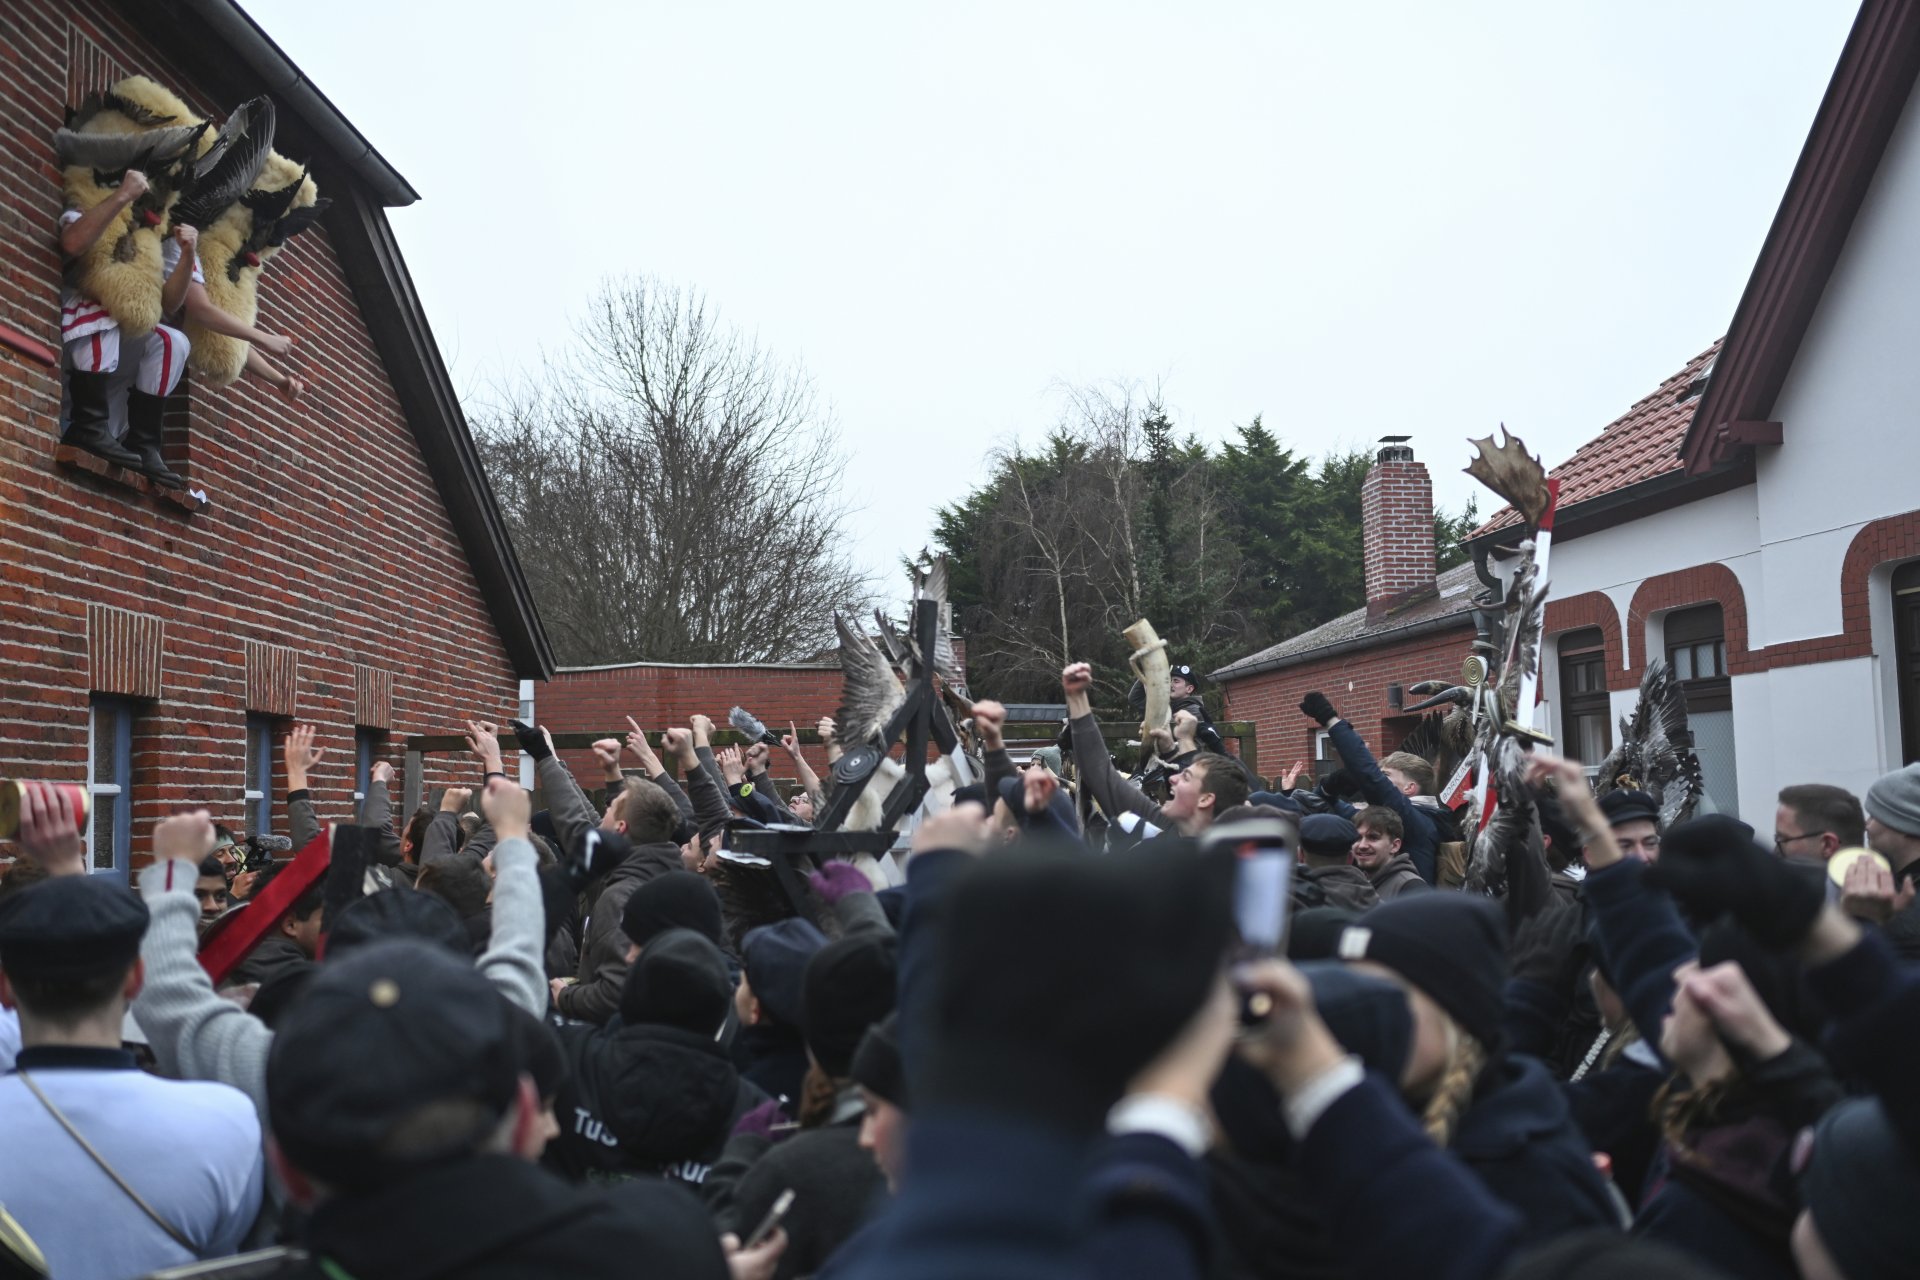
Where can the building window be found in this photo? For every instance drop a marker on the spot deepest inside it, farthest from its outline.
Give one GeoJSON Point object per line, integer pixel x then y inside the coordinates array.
{"type": "Point", "coordinates": [259, 782]}
{"type": "Point", "coordinates": [110, 785]}
{"type": "Point", "coordinates": [1586, 716]}
{"type": "Point", "coordinates": [1696, 646]}
{"type": "Point", "coordinates": [366, 754]}
{"type": "Point", "coordinates": [1906, 656]}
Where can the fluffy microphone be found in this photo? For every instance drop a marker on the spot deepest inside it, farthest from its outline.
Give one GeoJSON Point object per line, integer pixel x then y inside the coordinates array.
{"type": "Point", "coordinates": [743, 720]}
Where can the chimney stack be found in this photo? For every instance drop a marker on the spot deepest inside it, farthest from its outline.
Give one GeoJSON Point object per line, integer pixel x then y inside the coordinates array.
{"type": "Point", "coordinates": [1396, 517]}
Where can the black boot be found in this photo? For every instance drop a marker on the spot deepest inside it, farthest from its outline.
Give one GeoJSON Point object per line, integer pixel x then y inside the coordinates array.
{"type": "Point", "coordinates": [88, 429]}
{"type": "Point", "coordinates": [146, 416]}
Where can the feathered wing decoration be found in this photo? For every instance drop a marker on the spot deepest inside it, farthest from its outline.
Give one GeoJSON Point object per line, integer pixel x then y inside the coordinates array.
{"type": "Point", "coordinates": [930, 583]}
{"type": "Point", "coordinates": [110, 155]}
{"type": "Point", "coordinates": [1487, 862]}
{"type": "Point", "coordinates": [230, 167]}
{"type": "Point", "coordinates": [870, 692]}
{"type": "Point", "coordinates": [1526, 620]}
{"type": "Point", "coordinates": [1654, 752]}
{"type": "Point", "coordinates": [234, 246]}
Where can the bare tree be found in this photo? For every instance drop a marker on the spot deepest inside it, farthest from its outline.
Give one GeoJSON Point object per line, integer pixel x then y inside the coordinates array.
{"type": "Point", "coordinates": [672, 489]}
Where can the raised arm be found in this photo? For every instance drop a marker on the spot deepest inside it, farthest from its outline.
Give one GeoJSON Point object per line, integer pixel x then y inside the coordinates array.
{"type": "Point", "coordinates": [650, 766]}
{"type": "Point", "coordinates": [208, 314]}
{"type": "Point", "coordinates": [709, 803]}
{"type": "Point", "coordinates": [809, 780]}
{"type": "Point", "coordinates": [376, 811]}
{"type": "Point", "coordinates": [989, 723]}
{"type": "Point", "coordinates": [1109, 787]}
{"type": "Point", "coordinates": [300, 756]}
{"type": "Point", "coordinates": [78, 236]}
{"type": "Point", "coordinates": [514, 960]}
{"type": "Point", "coordinates": [173, 293]}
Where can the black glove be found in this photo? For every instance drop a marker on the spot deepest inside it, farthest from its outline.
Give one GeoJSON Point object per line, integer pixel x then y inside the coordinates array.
{"type": "Point", "coordinates": [532, 741]}
{"type": "Point", "coordinates": [1714, 868]}
{"type": "Point", "coordinates": [1316, 708]}
{"type": "Point", "coordinates": [1061, 976]}
{"type": "Point", "coordinates": [1340, 785]}
{"type": "Point", "coordinates": [1550, 947]}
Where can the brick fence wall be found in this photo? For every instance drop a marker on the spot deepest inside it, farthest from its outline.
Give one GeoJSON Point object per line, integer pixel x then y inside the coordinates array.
{"type": "Point", "coordinates": [1356, 683]}
{"type": "Point", "coordinates": [325, 537]}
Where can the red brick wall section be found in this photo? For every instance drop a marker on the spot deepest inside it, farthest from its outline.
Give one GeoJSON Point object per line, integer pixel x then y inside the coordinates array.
{"type": "Point", "coordinates": [1272, 700]}
{"type": "Point", "coordinates": [1396, 516]}
{"type": "Point", "coordinates": [1594, 609]}
{"type": "Point", "coordinates": [326, 534]}
{"type": "Point", "coordinates": [661, 696]}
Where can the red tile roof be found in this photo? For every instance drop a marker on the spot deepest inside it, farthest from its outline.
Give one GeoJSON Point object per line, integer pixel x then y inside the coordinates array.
{"type": "Point", "coordinates": [1642, 443]}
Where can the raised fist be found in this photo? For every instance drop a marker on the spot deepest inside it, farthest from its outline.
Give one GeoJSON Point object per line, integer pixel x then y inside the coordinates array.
{"type": "Point", "coordinates": [133, 184]}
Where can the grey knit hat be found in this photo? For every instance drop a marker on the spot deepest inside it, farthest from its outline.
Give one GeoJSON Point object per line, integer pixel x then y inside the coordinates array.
{"type": "Point", "coordinates": [1895, 800]}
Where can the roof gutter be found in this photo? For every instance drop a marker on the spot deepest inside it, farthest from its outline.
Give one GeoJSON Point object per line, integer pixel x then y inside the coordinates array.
{"type": "Point", "coordinates": [1371, 640]}
{"type": "Point", "coordinates": [292, 90]}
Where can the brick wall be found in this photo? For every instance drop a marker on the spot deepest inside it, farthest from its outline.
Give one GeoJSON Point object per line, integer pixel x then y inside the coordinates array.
{"type": "Point", "coordinates": [660, 696]}
{"type": "Point", "coordinates": [1357, 685]}
{"type": "Point", "coordinates": [326, 535]}
{"type": "Point", "coordinates": [1396, 515]}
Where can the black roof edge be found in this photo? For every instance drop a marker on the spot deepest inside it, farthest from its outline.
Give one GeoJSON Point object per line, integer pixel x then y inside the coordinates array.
{"type": "Point", "coordinates": [371, 259]}
{"type": "Point", "coordinates": [1372, 639]}
{"type": "Point", "coordinates": [291, 90]}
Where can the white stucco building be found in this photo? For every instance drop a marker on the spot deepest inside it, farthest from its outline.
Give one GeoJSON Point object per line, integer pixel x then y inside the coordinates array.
{"type": "Point", "coordinates": [1757, 519]}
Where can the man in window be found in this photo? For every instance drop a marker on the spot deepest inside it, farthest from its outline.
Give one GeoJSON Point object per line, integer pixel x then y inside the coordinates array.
{"type": "Point", "coordinates": [1815, 821]}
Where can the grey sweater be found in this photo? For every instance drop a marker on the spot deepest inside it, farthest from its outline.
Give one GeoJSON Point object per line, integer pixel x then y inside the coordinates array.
{"type": "Point", "coordinates": [197, 1034]}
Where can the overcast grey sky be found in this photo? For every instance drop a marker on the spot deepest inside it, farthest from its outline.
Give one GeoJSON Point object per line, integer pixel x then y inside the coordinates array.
{"type": "Point", "coordinates": [1354, 219]}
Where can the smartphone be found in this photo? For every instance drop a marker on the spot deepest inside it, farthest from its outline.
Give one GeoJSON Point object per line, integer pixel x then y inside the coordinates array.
{"type": "Point", "coordinates": [1264, 850]}
{"type": "Point", "coordinates": [770, 1223]}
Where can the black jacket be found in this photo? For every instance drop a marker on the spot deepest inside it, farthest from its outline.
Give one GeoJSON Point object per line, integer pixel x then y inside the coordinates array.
{"type": "Point", "coordinates": [1520, 1137]}
{"type": "Point", "coordinates": [603, 951]}
{"type": "Point", "coordinates": [498, 1218]}
{"type": "Point", "coordinates": [275, 954]}
{"type": "Point", "coordinates": [646, 1100]}
{"type": "Point", "coordinates": [774, 1059]}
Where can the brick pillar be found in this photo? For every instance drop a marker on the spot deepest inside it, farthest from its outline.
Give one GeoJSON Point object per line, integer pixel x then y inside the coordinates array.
{"type": "Point", "coordinates": [1396, 516]}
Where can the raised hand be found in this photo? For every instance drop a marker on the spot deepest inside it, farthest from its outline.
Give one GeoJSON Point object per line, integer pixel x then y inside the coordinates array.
{"type": "Point", "coordinates": [1871, 893]}
{"type": "Point", "coordinates": [381, 771]}
{"type": "Point", "coordinates": [301, 756]}
{"type": "Point", "coordinates": [641, 748]}
{"type": "Point", "coordinates": [990, 721]}
{"type": "Point", "coordinates": [607, 751]}
{"type": "Point", "coordinates": [702, 727]}
{"type": "Point", "coordinates": [1315, 706]}
{"type": "Point", "coordinates": [1040, 786]}
{"type": "Point", "coordinates": [1728, 997]}
{"type": "Point", "coordinates": [186, 237]}
{"type": "Point", "coordinates": [1292, 775]}
{"type": "Point", "coordinates": [50, 829]}
{"type": "Point", "coordinates": [1076, 678]}
{"type": "Point", "coordinates": [188, 836]}
{"type": "Point", "coordinates": [680, 743]}
{"type": "Point", "coordinates": [790, 741]}
{"type": "Point", "coordinates": [728, 759]}
{"type": "Point", "coordinates": [826, 729]}
{"type": "Point", "coordinates": [133, 185]}
{"type": "Point", "coordinates": [455, 799]}
{"type": "Point", "coordinates": [483, 740]}
{"type": "Point", "coordinates": [507, 807]}
{"type": "Point", "coordinates": [758, 754]}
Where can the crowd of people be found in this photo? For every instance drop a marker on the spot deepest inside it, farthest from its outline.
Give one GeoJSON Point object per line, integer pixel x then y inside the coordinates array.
{"type": "Point", "coordinates": [1037, 1039]}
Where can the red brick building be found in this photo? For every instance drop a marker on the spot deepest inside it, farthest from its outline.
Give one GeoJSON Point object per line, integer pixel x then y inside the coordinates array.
{"type": "Point", "coordinates": [350, 570]}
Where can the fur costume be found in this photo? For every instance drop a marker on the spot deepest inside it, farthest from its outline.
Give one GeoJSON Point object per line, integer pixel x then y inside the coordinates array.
{"type": "Point", "coordinates": [145, 127]}
{"type": "Point", "coordinates": [233, 246]}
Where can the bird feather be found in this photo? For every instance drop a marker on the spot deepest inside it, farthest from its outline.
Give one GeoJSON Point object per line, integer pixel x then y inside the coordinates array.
{"type": "Point", "coordinates": [870, 692]}
{"type": "Point", "coordinates": [231, 165]}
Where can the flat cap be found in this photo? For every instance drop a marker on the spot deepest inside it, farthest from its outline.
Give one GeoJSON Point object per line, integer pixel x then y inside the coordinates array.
{"type": "Point", "coordinates": [71, 927]}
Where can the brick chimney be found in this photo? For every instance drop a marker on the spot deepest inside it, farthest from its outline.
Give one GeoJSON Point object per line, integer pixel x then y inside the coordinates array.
{"type": "Point", "coordinates": [1396, 518]}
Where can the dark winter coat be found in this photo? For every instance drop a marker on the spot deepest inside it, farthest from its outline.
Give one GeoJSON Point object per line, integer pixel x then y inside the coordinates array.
{"type": "Point", "coordinates": [1398, 876]}
{"type": "Point", "coordinates": [1343, 886]}
{"type": "Point", "coordinates": [1421, 840]}
{"type": "Point", "coordinates": [646, 1100]}
{"type": "Point", "coordinates": [500, 1218]}
{"type": "Point", "coordinates": [595, 997]}
{"type": "Point", "coordinates": [274, 955]}
{"type": "Point", "coordinates": [774, 1059]}
{"type": "Point", "coordinates": [1520, 1137]}
{"type": "Point", "coordinates": [836, 1184]}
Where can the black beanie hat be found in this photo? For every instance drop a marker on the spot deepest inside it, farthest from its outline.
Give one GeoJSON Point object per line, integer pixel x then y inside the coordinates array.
{"type": "Point", "coordinates": [1779, 980]}
{"type": "Point", "coordinates": [1368, 1015]}
{"type": "Point", "coordinates": [676, 900]}
{"type": "Point", "coordinates": [876, 1063]}
{"type": "Point", "coordinates": [1451, 946]}
{"type": "Point", "coordinates": [1314, 932]}
{"type": "Point", "coordinates": [398, 913]}
{"type": "Point", "coordinates": [680, 980]}
{"type": "Point", "coordinates": [850, 985]}
{"type": "Point", "coordinates": [1859, 1185]}
{"type": "Point", "coordinates": [774, 959]}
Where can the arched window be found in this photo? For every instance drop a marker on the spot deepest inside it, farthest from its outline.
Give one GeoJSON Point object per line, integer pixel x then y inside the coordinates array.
{"type": "Point", "coordinates": [1586, 719]}
{"type": "Point", "coordinates": [1695, 640]}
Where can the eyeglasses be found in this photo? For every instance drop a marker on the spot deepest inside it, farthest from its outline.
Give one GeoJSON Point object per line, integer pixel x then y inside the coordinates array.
{"type": "Point", "coordinates": [1781, 842]}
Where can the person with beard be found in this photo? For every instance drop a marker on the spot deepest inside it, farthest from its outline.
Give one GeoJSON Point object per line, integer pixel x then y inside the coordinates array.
{"type": "Point", "coordinates": [651, 1093]}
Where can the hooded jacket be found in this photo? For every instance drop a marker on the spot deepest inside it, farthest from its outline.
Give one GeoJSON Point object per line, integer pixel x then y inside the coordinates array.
{"type": "Point", "coordinates": [595, 996]}
{"type": "Point", "coordinates": [646, 1100]}
{"type": "Point", "coordinates": [1340, 886]}
{"type": "Point", "coordinates": [1396, 877]}
{"type": "Point", "coordinates": [1421, 841]}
